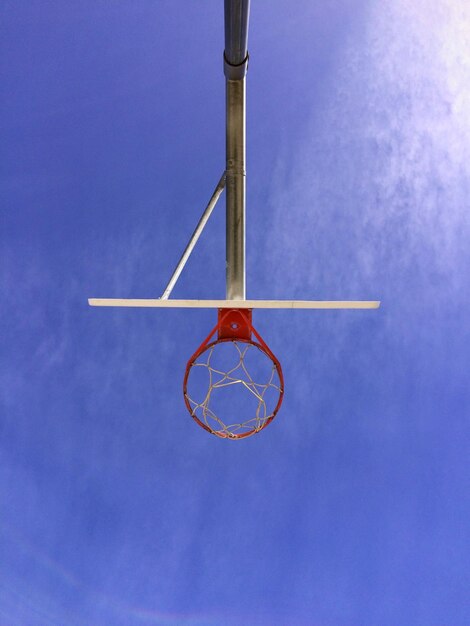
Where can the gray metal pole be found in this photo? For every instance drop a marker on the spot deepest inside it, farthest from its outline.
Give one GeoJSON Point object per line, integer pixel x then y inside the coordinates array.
{"type": "Point", "coordinates": [194, 237]}
{"type": "Point", "coordinates": [235, 189]}
{"type": "Point", "coordinates": [235, 67]}
{"type": "Point", "coordinates": [236, 30]}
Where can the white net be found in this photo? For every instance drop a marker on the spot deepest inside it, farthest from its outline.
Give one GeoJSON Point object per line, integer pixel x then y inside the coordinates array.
{"type": "Point", "coordinates": [233, 388]}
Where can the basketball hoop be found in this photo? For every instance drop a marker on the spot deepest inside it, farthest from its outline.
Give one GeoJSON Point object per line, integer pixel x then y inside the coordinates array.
{"type": "Point", "coordinates": [233, 385]}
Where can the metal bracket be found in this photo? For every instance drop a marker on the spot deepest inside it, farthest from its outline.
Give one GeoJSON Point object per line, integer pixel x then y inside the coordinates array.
{"type": "Point", "coordinates": [235, 72]}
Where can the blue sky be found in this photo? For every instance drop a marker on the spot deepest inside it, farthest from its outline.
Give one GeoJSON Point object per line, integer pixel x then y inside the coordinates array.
{"type": "Point", "coordinates": [352, 507]}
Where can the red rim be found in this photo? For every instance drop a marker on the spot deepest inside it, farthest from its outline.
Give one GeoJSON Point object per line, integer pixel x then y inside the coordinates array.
{"type": "Point", "coordinates": [207, 344]}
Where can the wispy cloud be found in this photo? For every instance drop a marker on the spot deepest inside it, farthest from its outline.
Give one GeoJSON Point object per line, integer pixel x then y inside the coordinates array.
{"type": "Point", "coordinates": [379, 184]}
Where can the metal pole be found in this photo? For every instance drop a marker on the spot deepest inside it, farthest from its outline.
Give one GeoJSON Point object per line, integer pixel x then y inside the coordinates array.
{"type": "Point", "coordinates": [194, 237]}
{"type": "Point", "coordinates": [236, 30]}
{"type": "Point", "coordinates": [235, 67]}
{"type": "Point", "coordinates": [235, 189]}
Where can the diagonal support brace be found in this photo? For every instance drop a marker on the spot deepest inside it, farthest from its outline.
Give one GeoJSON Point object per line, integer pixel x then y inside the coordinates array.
{"type": "Point", "coordinates": [194, 238]}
